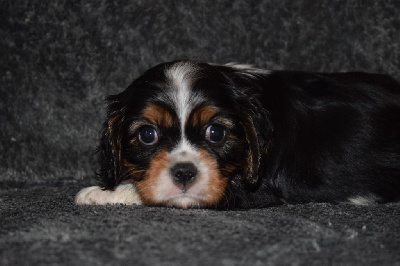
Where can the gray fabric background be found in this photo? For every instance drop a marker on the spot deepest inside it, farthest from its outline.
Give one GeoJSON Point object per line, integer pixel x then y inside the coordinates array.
{"type": "Point", "coordinates": [60, 58]}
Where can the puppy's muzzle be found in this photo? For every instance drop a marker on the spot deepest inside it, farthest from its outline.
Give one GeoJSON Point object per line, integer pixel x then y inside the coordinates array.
{"type": "Point", "coordinates": [184, 173]}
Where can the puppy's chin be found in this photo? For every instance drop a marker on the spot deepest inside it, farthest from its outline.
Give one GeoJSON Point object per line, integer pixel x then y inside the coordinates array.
{"type": "Point", "coordinates": [185, 201]}
{"type": "Point", "coordinates": [159, 187]}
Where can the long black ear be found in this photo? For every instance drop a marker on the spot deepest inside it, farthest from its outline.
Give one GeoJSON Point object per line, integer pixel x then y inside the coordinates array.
{"type": "Point", "coordinates": [255, 119]}
{"type": "Point", "coordinates": [257, 133]}
{"type": "Point", "coordinates": [109, 149]}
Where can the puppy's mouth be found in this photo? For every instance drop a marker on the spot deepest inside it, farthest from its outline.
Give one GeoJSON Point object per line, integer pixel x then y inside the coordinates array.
{"type": "Point", "coordinates": [183, 195]}
{"type": "Point", "coordinates": [184, 201]}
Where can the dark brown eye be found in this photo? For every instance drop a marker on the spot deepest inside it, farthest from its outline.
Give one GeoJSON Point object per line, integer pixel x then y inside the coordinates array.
{"type": "Point", "coordinates": [148, 135]}
{"type": "Point", "coordinates": [215, 134]}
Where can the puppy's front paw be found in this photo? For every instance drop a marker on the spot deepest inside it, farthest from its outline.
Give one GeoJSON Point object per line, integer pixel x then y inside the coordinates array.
{"type": "Point", "coordinates": [123, 194]}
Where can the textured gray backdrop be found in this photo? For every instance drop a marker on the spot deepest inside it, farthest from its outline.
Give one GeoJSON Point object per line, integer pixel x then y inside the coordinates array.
{"type": "Point", "coordinates": [60, 58]}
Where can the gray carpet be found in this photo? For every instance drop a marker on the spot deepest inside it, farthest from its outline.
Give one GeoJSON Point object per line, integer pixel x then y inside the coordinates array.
{"type": "Point", "coordinates": [58, 61]}
{"type": "Point", "coordinates": [41, 225]}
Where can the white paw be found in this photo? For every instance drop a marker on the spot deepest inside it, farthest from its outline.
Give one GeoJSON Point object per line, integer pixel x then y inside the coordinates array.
{"type": "Point", "coordinates": [123, 194]}
{"type": "Point", "coordinates": [364, 200]}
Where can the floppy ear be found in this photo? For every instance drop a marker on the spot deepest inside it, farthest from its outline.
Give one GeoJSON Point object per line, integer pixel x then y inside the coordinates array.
{"type": "Point", "coordinates": [258, 131]}
{"type": "Point", "coordinates": [253, 144]}
{"type": "Point", "coordinates": [110, 146]}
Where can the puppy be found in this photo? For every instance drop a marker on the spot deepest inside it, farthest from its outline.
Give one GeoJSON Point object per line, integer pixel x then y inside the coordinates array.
{"type": "Point", "coordinates": [189, 134]}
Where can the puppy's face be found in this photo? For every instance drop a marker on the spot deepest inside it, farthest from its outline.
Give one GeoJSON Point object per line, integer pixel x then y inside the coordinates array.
{"type": "Point", "coordinates": [180, 135]}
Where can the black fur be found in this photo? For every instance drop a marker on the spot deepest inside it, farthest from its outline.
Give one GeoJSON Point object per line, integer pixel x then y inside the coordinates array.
{"type": "Point", "coordinates": [305, 137]}
{"type": "Point", "coordinates": [335, 136]}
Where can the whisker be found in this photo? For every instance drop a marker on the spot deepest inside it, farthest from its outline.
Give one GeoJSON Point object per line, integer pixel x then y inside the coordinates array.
{"type": "Point", "coordinates": [132, 171]}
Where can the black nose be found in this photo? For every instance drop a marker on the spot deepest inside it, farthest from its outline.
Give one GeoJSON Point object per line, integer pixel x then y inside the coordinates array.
{"type": "Point", "coordinates": [184, 173]}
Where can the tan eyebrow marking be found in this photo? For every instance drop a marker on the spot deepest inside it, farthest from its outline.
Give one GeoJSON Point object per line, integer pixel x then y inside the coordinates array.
{"type": "Point", "coordinates": [202, 115]}
{"type": "Point", "coordinates": [158, 115]}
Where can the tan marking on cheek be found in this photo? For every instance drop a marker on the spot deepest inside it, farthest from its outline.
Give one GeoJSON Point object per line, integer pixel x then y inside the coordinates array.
{"type": "Point", "coordinates": [203, 115]}
{"type": "Point", "coordinates": [146, 187]}
{"type": "Point", "coordinates": [158, 115]}
{"type": "Point", "coordinates": [217, 182]}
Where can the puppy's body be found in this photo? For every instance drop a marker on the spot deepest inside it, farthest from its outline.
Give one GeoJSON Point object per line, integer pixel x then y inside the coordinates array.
{"type": "Point", "coordinates": [189, 134]}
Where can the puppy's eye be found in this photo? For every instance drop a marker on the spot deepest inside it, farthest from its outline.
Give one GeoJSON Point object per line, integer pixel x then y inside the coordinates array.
{"type": "Point", "coordinates": [148, 135]}
{"type": "Point", "coordinates": [215, 133]}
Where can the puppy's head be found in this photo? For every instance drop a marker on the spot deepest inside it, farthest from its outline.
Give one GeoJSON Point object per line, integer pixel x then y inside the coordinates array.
{"type": "Point", "coordinates": [185, 133]}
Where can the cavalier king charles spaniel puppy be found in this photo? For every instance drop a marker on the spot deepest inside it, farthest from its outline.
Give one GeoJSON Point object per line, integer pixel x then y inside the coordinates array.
{"type": "Point", "coordinates": [188, 134]}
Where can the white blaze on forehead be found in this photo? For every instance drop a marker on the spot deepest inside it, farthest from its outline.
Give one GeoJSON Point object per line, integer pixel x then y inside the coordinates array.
{"type": "Point", "coordinates": [181, 77]}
